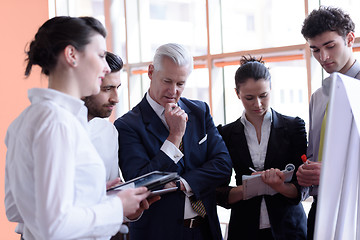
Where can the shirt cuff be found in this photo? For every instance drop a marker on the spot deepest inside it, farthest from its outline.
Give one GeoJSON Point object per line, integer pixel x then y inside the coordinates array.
{"type": "Point", "coordinates": [188, 189]}
{"type": "Point", "coordinates": [171, 151]}
{"type": "Point", "coordinates": [132, 220]}
{"type": "Point", "coordinates": [313, 190]}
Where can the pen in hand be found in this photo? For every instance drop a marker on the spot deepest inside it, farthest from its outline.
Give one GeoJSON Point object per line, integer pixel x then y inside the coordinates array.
{"type": "Point", "coordinates": [304, 159]}
{"type": "Point", "coordinates": [253, 170]}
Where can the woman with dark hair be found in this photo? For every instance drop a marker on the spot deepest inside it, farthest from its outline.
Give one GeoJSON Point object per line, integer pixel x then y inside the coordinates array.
{"type": "Point", "coordinates": [54, 179]}
{"type": "Point", "coordinates": [264, 140]}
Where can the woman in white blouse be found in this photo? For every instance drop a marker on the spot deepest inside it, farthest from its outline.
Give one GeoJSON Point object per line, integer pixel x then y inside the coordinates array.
{"type": "Point", "coordinates": [265, 141]}
{"type": "Point", "coordinates": [55, 180]}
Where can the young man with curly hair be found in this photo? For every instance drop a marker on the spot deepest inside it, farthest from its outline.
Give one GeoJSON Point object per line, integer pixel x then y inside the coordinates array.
{"type": "Point", "coordinates": [330, 34]}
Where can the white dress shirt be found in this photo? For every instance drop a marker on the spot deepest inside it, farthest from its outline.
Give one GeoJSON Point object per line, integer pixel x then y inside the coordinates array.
{"type": "Point", "coordinates": [175, 154]}
{"type": "Point", "coordinates": [54, 178]}
{"type": "Point", "coordinates": [104, 137]}
{"type": "Point", "coordinates": [258, 154]}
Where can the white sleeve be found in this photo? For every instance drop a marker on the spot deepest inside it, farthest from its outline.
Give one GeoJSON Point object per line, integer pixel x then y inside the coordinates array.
{"type": "Point", "coordinates": [12, 212]}
{"type": "Point", "coordinates": [172, 151]}
{"type": "Point", "coordinates": [58, 215]}
{"type": "Point", "coordinates": [114, 170]}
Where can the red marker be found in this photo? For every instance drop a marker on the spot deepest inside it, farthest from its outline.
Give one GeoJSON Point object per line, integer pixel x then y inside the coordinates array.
{"type": "Point", "coordinates": [304, 159]}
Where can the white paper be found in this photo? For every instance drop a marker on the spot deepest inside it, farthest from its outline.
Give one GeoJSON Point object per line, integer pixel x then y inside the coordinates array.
{"type": "Point", "coordinates": [338, 208]}
{"type": "Point", "coordinates": [254, 186]}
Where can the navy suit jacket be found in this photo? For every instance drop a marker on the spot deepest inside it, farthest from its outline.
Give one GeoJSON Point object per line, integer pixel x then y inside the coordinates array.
{"type": "Point", "coordinates": [287, 142]}
{"type": "Point", "coordinates": [206, 164]}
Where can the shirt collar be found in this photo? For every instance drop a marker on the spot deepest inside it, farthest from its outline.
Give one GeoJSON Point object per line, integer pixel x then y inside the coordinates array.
{"type": "Point", "coordinates": [354, 70]}
{"type": "Point", "coordinates": [267, 117]}
{"type": "Point", "coordinates": [158, 109]}
{"type": "Point", "coordinates": [71, 104]}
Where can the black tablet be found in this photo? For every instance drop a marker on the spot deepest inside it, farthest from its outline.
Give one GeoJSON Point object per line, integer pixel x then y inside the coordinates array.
{"type": "Point", "coordinates": [153, 181]}
{"type": "Point", "coordinates": [162, 191]}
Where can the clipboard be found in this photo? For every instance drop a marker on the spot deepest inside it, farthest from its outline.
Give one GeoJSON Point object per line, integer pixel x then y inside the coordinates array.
{"type": "Point", "coordinates": [254, 186]}
{"type": "Point", "coordinates": [153, 181]}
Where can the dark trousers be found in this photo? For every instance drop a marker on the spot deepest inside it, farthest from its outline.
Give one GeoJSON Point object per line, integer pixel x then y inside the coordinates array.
{"type": "Point", "coordinates": [201, 232]}
{"type": "Point", "coordinates": [265, 234]}
{"type": "Point", "coordinates": [311, 220]}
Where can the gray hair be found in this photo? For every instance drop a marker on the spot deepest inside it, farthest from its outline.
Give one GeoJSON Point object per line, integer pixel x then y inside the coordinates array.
{"type": "Point", "coordinates": [176, 52]}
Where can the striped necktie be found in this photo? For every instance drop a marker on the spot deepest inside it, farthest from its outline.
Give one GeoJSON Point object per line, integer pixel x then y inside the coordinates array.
{"type": "Point", "coordinates": [181, 147]}
{"type": "Point", "coordinates": [197, 205]}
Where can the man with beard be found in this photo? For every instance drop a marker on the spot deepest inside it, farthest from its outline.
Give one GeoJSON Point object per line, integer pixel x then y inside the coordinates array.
{"type": "Point", "coordinates": [104, 135]}
{"type": "Point", "coordinates": [102, 132]}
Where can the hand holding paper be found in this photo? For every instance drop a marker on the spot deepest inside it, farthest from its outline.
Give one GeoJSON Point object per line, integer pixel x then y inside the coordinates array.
{"type": "Point", "coordinates": [274, 178]}
{"type": "Point", "coordinates": [254, 185]}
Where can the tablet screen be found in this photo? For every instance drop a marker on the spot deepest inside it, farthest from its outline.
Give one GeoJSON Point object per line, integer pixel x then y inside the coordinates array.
{"type": "Point", "coordinates": [149, 179]}
{"type": "Point", "coordinates": [153, 180]}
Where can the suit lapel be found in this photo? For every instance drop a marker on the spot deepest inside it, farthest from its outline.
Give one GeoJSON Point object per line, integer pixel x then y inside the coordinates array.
{"type": "Point", "coordinates": [275, 139]}
{"type": "Point", "coordinates": [153, 123]}
{"type": "Point", "coordinates": [240, 140]}
{"type": "Point", "coordinates": [189, 127]}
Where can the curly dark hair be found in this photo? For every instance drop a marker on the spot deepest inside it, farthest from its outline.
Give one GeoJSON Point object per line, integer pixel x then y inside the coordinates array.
{"type": "Point", "coordinates": [327, 19]}
{"type": "Point", "coordinates": [251, 67]}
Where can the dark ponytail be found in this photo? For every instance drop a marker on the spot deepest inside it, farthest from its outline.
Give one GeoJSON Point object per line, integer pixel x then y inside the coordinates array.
{"type": "Point", "coordinates": [57, 33]}
{"type": "Point", "coordinates": [251, 67]}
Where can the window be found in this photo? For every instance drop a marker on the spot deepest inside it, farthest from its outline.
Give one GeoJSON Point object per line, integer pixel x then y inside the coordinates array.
{"type": "Point", "coordinates": [235, 28]}
{"type": "Point", "coordinates": [349, 6]}
{"type": "Point", "coordinates": [262, 24]}
{"type": "Point", "coordinates": [152, 23]}
{"type": "Point", "coordinates": [218, 33]}
{"type": "Point", "coordinates": [77, 8]}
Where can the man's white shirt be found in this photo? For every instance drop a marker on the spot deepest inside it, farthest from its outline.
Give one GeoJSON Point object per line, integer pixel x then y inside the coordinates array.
{"type": "Point", "coordinates": [104, 137]}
